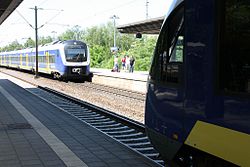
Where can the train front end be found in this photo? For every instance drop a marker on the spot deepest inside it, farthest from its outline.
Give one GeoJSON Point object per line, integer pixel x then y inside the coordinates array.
{"type": "Point", "coordinates": [197, 109]}
{"type": "Point", "coordinates": [76, 61]}
{"type": "Point", "coordinates": [163, 109]}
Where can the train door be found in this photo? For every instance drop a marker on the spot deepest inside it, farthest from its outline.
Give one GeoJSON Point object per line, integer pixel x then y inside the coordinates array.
{"type": "Point", "coordinates": [21, 60]}
{"type": "Point", "coordinates": [27, 60]}
{"type": "Point", "coordinates": [47, 61]}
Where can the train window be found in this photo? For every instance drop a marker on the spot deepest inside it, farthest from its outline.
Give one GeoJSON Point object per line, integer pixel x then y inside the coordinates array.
{"type": "Point", "coordinates": [168, 56]}
{"type": "Point", "coordinates": [51, 58]}
{"type": "Point", "coordinates": [234, 57]}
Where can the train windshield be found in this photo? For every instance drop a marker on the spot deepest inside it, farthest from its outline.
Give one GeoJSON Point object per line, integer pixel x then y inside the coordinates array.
{"type": "Point", "coordinates": [75, 53]}
{"type": "Point", "coordinates": [168, 57]}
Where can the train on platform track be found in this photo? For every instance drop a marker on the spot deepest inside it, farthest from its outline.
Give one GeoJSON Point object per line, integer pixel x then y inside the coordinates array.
{"type": "Point", "coordinates": [198, 92]}
{"type": "Point", "coordinates": [62, 59]}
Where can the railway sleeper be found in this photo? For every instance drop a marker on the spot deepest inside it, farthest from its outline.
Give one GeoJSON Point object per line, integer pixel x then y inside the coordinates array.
{"type": "Point", "coordinates": [90, 118]}
{"type": "Point", "coordinates": [83, 116]}
{"type": "Point", "coordinates": [101, 127]}
{"type": "Point", "coordinates": [71, 108]}
{"type": "Point", "coordinates": [139, 134]}
{"type": "Point", "coordinates": [160, 162]}
{"type": "Point", "coordinates": [140, 144]}
{"type": "Point", "coordinates": [85, 112]}
{"type": "Point", "coordinates": [86, 115]}
{"type": "Point", "coordinates": [122, 132]}
{"type": "Point", "coordinates": [97, 120]}
{"type": "Point", "coordinates": [74, 112]}
{"type": "Point", "coordinates": [86, 109]}
{"type": "Point", "coordinates": [153, 155]}
{"type": "Point", "coordinates": [67, 104]}
{"type": "Point", "coordinates": [70, 105]}
{"type": "Point", "coordinates": [146, 150]}
{"type": "Point", "coordinates": [103, 123]}
{"type": "Point", "coordinates": [63, 105]}
{"type": "Point", "coordinates": [115, 129]}
{"type": "Point", "coordinates": [132, 140]}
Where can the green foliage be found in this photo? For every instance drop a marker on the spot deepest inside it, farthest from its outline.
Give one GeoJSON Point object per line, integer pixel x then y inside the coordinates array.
{"type": "Point", "coordinates": [97, 53]}
{"type": "Point", "coordinates": [13, 46]}
{"type": "Point", "coordinates": [142, 51]}
{"type": "Point", "coordinates": [44, 40]}
{"type": "Point", "coordinates": [30, 43]}
{"type": "Point", "coordinates": [124, 41]}
{"type": "Point", "coordinates": [74, 33]}
{"type": "Point", "coordinates": [100, 40]}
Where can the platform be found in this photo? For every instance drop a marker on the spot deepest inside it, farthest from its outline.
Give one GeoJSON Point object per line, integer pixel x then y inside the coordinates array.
{"type": "Point", "coordinates": [136, 81]}
{"type": "Point", "coordinates": [36, 133]}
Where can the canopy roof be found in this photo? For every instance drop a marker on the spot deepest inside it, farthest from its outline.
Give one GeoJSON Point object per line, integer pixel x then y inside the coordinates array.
{"type": "Point", "coordinates": [7, 7]}
{"type": "Point", "coordinates": [149, 26]}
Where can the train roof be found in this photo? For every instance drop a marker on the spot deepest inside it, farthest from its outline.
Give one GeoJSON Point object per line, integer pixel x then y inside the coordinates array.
{"type": "Point", "coordinates": [48, 46]}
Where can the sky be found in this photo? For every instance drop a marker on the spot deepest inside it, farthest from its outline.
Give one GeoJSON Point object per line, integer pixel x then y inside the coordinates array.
{"type": "Point", "coordinates": [56, 16]}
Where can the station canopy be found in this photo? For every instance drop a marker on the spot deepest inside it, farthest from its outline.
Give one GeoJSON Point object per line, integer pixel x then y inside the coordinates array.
{"type": "Point", "coordinates": [7, 7]}
{"type": "Point", "coordinates": [149, 26]}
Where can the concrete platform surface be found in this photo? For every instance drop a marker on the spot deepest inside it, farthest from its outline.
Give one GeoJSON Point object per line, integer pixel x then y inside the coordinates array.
{"type": "Point", "coordinates": [36, 133]}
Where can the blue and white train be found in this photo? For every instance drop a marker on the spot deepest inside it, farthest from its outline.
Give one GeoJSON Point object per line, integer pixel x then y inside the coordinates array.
{"type": "Point", "coordinates": [61, 59]}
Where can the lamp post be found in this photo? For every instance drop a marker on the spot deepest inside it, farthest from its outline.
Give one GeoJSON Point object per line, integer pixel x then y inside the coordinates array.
{"type": "Point", "coordinates": [36, 33]}
{"type": "Point", "coordinates": [147, 9]}
{"type": "Point", "coordinates": [36, 40]}
{"type": "Point", "coordinates": [114, 17]}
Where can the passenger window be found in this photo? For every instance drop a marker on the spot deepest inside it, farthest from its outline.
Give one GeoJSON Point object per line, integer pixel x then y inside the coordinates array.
{"type": "Point", "coordinates": [168, 56]}
{"type": "Point", "coordinates": [234, 57]}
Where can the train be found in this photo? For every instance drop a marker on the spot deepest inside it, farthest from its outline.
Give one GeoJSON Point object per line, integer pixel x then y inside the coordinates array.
{"type": "Point", "coordinates": [63, 60]}
{"type": "Point", "coordinates": [197, 110]}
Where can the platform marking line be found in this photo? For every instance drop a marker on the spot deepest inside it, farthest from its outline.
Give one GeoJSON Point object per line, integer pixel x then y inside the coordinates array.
{"type": "Point", "coordinates": [64, 153]}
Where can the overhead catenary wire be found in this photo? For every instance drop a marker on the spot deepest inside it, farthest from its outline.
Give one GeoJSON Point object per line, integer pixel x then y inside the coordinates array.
{"type": "Point", "coordinates": [52, 18]}
{"type": "Point", "coordinates": [110, 9]}
{"type": "Point", "coordinates": [49, 20]}
{"type": "Point", "coordinates": [24, 19]}
{"type": "Point", "coordinates": [43, 2]}
{"type": "Point", "coordinates": [88, 17]}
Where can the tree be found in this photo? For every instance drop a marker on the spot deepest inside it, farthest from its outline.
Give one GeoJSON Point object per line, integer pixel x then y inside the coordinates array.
{"type": "Point", "coordinates": [30, 43]}
{"type": "Point", "coordinates": [44, 40]}
{"type": "Point", "coordinates": [74, 33]}
{"type": "Point", "coordinates": [142, 50]}
{"type": "Point", "coordinates": [13, 46]}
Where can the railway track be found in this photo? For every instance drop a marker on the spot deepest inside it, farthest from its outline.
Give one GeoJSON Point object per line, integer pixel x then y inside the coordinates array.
{"type": "Point", "coordinates": [122, 129]}
{"type": "Point", "coordinates": [99, 87]}
{"type": "Point", "coordinates": [116, 91]}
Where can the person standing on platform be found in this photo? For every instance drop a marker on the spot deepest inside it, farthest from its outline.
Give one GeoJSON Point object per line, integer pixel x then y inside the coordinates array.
{"type": "Point", "coordinates": [116, 65]}
{"type": "Point", "coordinates": [127, 63]}
{"type": "Point", "coordinates": [123, 63]}
{"type": "Point", "coordinates": [132, 64]}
